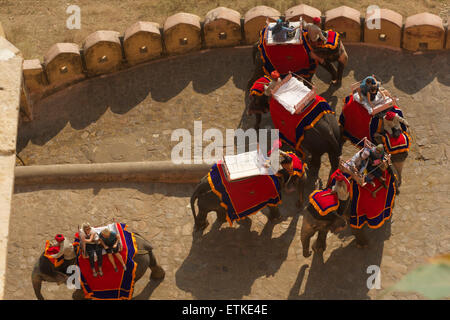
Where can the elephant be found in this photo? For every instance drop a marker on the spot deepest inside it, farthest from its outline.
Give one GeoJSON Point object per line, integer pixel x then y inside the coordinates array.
{"type": "Point", "coordinates": [44, 270]}
{"type": "Point", "coordinates": [327, 54]}
{"type": "Point", "coordinates": [209, 201]}
{"type": "Point", "coordinates": [335, 221]}
{"type": "Point", "coordinates": [353, 113]}
{"type": "Point", "coordinates": [323, 137]}
{"type": "Point", "coordinates": [397, 159]}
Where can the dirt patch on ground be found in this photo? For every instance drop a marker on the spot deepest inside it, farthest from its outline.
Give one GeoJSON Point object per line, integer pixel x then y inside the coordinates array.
{"type": "Point", "coordinates": [254, 259]}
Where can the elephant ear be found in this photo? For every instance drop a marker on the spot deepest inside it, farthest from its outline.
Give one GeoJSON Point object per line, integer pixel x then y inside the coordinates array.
{"type": "Point", "coordinates": [432, 280]}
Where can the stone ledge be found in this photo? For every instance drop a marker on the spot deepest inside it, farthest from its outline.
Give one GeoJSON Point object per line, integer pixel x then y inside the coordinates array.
{"type": "Point", "coordinates": [10, 91]}
{"type": "Point", "coordinates": [155, 171]}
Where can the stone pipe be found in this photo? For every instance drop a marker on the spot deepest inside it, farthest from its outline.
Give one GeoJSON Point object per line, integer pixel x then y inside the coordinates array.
{"type": "Point", "coordinates": [155, 171]}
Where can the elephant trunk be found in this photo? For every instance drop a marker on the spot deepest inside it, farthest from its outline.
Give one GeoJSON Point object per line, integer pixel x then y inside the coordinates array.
{"type": "Point", "coordinates": [306, 233]}
{"type": "Point", "coordinates": [37, 284]}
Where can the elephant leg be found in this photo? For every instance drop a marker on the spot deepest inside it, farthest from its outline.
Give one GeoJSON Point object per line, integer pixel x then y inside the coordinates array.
{"type": "Point", "coordinates": [340, 73]}
{"type": "Point", "coordinates": [258, 117]}
{"type": "Point", "coordinates": [314, 167]}
{"type": "Point", "coordinates": [334, 162]}
{"type": "Point", "coordinates": [320, 244]}
{"type": "Point", "coordinates": [78, 294]}
{"type": "Point", "coordinates": [307, 232]}
{"type": "Point", "coordinates": [398, 165]}
{"type": "Point", "coordinates": [361, 239]}
{"type": "Point", "coordinates": [157, 271]}
{"type": "Point", "coordinates": [274, 213]}
{"type": "Point", "coordinates": [221, 215]}
{"type": "Point", "coordinates": [300, 190]}
{"type": "Point", "coordinates": [201, 222]}
{"type": "Point", "coordinates": [342, 62]}
{"type": "Point", "coordinates": [331, 69]}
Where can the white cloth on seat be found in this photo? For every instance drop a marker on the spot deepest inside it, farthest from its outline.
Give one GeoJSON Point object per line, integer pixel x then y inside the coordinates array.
{"type": "Point", "coordinates": [379, 100]}
{"type": "Point", "coordinates": [290, 94]}
{"type": "Point", "coordinates": [112, 227]}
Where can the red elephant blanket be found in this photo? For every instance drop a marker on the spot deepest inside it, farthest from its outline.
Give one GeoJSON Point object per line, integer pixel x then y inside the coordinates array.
{"type": "Point", "coordinates": [287, 57]}
{"type": "Point", "coordinates": [396, 145]}
{"type": "Point", "coordinates": [112, 285]}
{"type": "Point", "coordinates": [357, 124]}
{"type": "Point", "coordinates": [324, 201]}
{"type": "Point", "coordinates": [292, 127]}
{"type": "Point", "coordinates": [373, 211]}
{"type": "Point", "coordinates": [244, 197]}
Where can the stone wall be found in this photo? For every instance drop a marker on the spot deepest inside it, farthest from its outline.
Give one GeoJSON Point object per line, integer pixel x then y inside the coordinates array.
{"type": "Point", "coordinates": [107, 51]}
{"type": "Point", "coordinates": [10, 92]}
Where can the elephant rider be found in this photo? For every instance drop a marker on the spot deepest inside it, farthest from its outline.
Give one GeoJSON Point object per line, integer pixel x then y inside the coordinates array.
{"type": "Point", "coordinates": [373, 167]}
{"type": "Point", "coordinates": [90, 245]}
{"type": "Point", "coordinates": [276, 79]}
{"type": "Point", "coordinates": [360, 160]}
{"type": "Point", "coordinates": [281, 31]}
{"type": "Point", "coordinates": [341, 187]}
{"type": "Point", "coordinates": [368, 90]}
{"type": "Point", "coordinates": [324, 53]}
{"type": "Point", "coordinates": [391, 123]}
{"type": "Point", "coordinates": [65, 248]}
{"type": "Point", "coordinates": [111, 243]}
{"type": "Point", "coordinates": [314, 31]}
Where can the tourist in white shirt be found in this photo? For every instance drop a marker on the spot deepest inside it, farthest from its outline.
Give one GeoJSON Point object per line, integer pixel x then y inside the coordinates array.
{"type": "Point", "coordinates": [90, 245]}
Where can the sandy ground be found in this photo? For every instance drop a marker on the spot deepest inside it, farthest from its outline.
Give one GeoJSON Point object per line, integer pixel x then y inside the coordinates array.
{"type": "Point", "coordinates": [106, 120]}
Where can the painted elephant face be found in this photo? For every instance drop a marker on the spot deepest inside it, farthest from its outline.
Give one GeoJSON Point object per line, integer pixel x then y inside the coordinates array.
{"type": "Point", "coordinates": [258, 104]}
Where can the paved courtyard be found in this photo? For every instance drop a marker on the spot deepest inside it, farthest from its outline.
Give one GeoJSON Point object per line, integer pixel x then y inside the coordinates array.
{"type": "Point", "coordinates": [130, 117]}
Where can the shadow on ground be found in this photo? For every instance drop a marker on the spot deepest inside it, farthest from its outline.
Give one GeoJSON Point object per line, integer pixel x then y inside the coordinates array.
{"type": "Point", "coordinates": [344, 274]}
{"type": "Point", "coordinates": [224, 263]}
{"type": "Point", "coordinates": [84, 103]}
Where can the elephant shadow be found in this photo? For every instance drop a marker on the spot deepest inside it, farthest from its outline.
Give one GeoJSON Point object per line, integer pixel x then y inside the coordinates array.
{"type": "Point", "coordinates": [345, 274]}
{"type": "Point", "coordinates": [224, 263]}
{"type": "Point", "coordinates": [147, 292]}
{"type": "Point", "coordinates": [87, 101]}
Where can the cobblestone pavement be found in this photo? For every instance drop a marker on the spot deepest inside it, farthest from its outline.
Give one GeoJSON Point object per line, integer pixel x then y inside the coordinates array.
{"type": "Point", "coordinates": [254, 259]}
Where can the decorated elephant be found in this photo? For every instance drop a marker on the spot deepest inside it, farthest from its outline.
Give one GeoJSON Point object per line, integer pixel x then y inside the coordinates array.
{"type": "Point", "coordinates": [45, 270]}
{"type": "Point", "coordinates": [284, 57]}
{"type": "Point", "coordinates": [235, 200]}
{"type": "Point", "coordinates": [356, 123]}
{"type": "Point", "coordinates": [327, 211]}
{"type": "Point", "coordinates": [328, 51]}
{"type": "Point", "coordinates": [314, 130]}
{"type": "Point", "coordinates": [343, 202]}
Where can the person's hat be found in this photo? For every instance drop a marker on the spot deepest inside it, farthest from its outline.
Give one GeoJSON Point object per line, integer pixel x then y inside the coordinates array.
{"type": "Point", "coordinates": [317, 20]}
{"type": "Point", "coordinates": [390, 115]}
{"type": "Point", "coordinates": [275, 75]}
{"type": "Point", "coordinates": [59, 237]}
